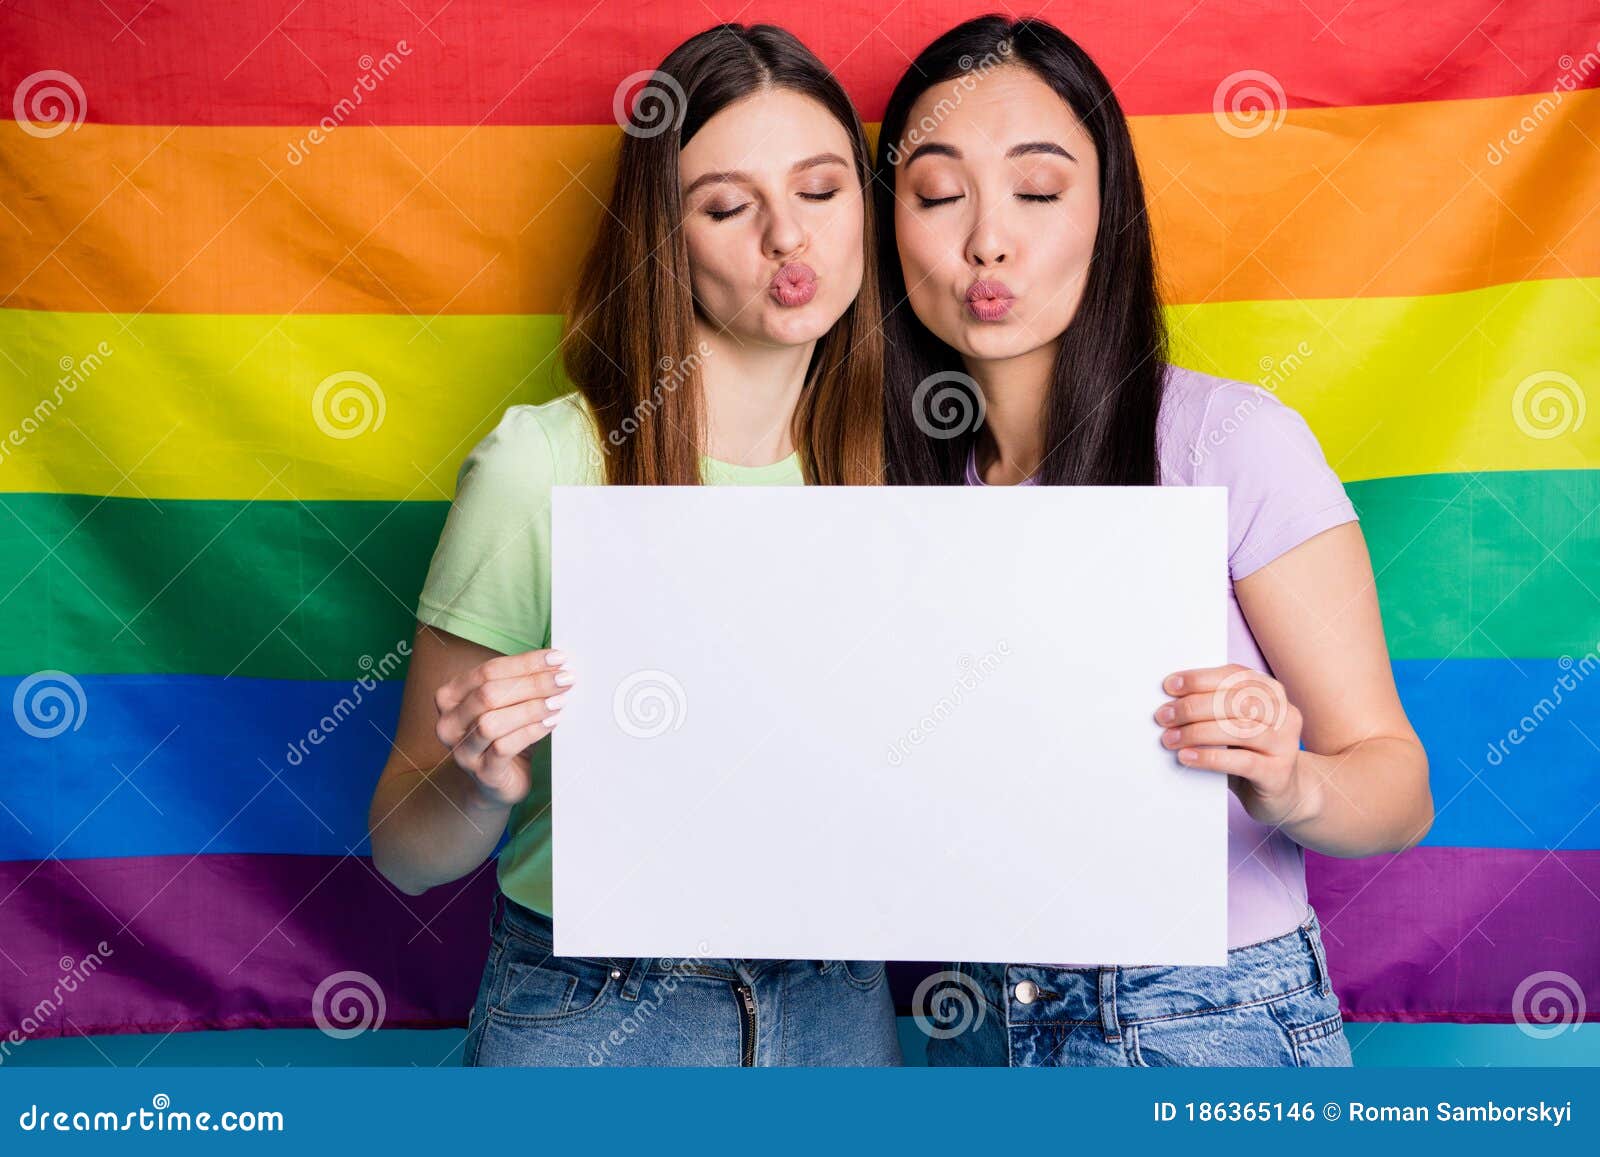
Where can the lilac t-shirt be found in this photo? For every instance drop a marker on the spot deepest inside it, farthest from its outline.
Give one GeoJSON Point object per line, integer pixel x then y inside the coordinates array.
{"type": "Point", "coordinates": [1281, 491]}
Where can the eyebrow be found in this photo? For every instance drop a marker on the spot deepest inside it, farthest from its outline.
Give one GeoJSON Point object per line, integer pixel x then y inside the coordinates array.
{"type": "Point", "coordinates": [733, 176]}
{"type": "Point", "coordinates": [1027, 148]}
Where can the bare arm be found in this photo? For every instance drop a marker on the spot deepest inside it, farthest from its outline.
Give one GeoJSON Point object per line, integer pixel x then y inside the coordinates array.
{"type": "Point", "coordinates": [1360, 786]}
{"type": "Point", "coordinates": [459, 761]}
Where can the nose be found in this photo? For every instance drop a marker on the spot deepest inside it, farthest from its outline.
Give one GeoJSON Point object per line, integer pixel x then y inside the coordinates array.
{"type": "Point", "coordinates": [784, 235]}
{"type": "Point", "coordinates": [988, 244]}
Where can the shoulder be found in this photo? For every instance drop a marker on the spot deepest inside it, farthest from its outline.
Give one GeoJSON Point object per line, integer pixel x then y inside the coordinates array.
{"type": "Point", "coordinates": [1213, 429]}
{"type": "Point", "coordinates": [536, 446]}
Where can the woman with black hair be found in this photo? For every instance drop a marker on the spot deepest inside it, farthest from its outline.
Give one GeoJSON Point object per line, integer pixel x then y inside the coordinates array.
{"type": "Point", "coordinates": [1016, 261]}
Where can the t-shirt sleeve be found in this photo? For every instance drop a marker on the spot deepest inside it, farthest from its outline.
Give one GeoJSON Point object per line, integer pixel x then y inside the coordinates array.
{"type": "Point", "coordinates": [489, 580]}
{"type": "Point", "coordinates": [1281, 490]}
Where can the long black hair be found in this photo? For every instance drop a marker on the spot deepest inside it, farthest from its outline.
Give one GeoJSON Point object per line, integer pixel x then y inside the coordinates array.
{"type": "Point", "coordinates": [1105, 386]}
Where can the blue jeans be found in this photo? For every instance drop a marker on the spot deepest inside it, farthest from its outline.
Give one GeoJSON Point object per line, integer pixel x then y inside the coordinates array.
{"type": "Point", "coordinates": [534, 1008]}
{"type": "Point", "coordinates": [1271, 1005]}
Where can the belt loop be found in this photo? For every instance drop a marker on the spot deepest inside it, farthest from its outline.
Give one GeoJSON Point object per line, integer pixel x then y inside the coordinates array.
{"type": "Point", "coordinates": [1108, 1004]}
{"type": "Point", "coordinates": [633, 975]}
{"type": "Point", "coordinates": [1319, 956]}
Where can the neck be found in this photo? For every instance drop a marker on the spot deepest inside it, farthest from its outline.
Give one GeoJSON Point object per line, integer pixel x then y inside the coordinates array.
{"type": "Point", "coordinates": [749, 394]}
{"type": "Point", "coordinates": [1010, 444]}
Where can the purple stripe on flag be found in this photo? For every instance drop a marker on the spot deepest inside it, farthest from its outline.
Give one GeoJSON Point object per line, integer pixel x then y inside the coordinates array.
{"type": "Point", "coordinates": [1474, 935]}
{"type": "Point", "coordinates": [232, 941]}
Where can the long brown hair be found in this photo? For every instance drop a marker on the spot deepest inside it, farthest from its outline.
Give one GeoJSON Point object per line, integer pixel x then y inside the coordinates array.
{"type": "Point", "coordinates": [629, 346]}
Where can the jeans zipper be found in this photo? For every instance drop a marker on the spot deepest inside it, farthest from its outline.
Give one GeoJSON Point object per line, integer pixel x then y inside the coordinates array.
{"type": "Point", "coordinates": [747, 1024]}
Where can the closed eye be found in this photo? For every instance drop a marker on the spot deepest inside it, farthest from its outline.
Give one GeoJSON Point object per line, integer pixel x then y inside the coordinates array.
{"type": "Point", "coordinates": [1041, 198]}
{"type": "Point", "coordinates": [930, 202]}
{"type": "Point", "coordinates": [724, 214]}
{"type": "Point", "coordinates": [826, 196]}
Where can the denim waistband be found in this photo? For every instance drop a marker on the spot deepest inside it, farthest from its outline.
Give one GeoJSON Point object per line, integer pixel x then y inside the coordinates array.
{"type": "Point", "coordinates": [1112, 995]}
{"type": "Point", "coordinates": [537, 930]}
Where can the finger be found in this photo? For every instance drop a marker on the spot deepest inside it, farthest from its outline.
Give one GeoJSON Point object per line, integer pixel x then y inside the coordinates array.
{"type": "Point", "coordinates": [450, 694]}
{"type": "Point", "coordinates": [1226, 732]}
{"type": "Point", "coordinates": [514, 743]}
{"type": "Point", "coordinates": [1194, 679]}
{"type": "Point", "coordinates": [1228, 760]}
{"type": "Point", "coordinates": [498, 693]}
{"type": "Point", "coordinates": [466, 734]}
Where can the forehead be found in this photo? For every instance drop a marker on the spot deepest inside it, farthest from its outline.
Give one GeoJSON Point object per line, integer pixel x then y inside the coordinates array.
{"type": "Point", "coordinates": [988, 112]}
{"type": "Point", "coordinates": [766, 132]}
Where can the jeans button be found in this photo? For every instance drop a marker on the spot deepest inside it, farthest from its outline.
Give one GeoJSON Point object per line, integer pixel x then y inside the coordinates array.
{"type": "Point", "coordinates": [1026, 992]}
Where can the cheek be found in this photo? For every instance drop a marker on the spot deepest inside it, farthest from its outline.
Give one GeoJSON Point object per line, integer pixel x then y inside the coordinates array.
{"type": "Point", "coordinates": [712, 270]}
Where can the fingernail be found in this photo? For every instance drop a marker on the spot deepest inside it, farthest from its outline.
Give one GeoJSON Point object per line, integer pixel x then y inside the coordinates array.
{"type": "Point", "coordinates": [555, 702]}
{"type": "Point", "coordinates": [554, 658]}
{"type": "Point", "coordinates": [1169, 736]}
{"type": "Point", "coordinates": [1177, 682]}
{"type": "Point", "coordinates": [1187, 754]}
{"type": "Point", "coordinates": [551, 721]}
{"type": "Point", "coordinates": [1167, 714]}
{"type": "Point", "coordinates": [564, 679]}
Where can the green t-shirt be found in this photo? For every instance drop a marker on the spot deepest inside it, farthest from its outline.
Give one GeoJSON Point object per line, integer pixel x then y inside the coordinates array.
{"type": "Point", "coordinates": [490, 576]}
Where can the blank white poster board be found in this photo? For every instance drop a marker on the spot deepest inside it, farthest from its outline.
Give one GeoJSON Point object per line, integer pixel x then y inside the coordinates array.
{"type": "Point", "coordinates": [902, 723]}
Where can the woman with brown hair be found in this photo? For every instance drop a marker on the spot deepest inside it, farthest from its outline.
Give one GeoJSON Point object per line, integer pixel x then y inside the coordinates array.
{"type": "Point", "coordinates": [724, 331]}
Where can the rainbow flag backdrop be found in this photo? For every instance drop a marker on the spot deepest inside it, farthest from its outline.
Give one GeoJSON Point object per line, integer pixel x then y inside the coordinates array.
{"type": "Point", "coordinates": [269, 269]}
